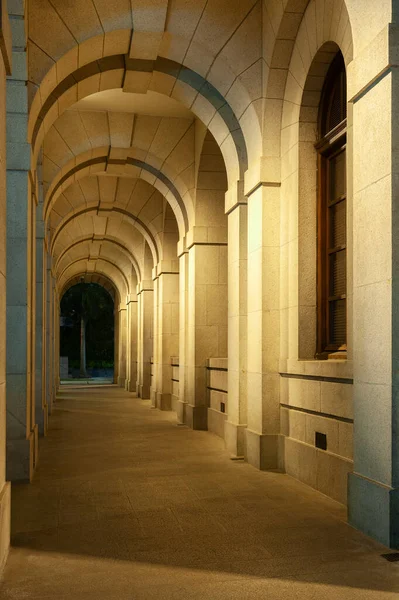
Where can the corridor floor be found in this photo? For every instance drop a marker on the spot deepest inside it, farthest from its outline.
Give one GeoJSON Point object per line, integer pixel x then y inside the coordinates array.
{"type": "Point", "coordinates": [125, 504]}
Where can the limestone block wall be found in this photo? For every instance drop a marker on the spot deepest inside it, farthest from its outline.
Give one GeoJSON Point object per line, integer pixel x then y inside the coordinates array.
{"type": "Point", "coordinates": [217, 395]}
{"type": "Point", "coordinates": [5, 488]}
{"type": "Point", "coordinates": [311, 405]}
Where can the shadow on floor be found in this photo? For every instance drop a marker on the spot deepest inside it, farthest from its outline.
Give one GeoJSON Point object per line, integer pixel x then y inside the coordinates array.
{"type": "Point", "coordinates": [156, 510]}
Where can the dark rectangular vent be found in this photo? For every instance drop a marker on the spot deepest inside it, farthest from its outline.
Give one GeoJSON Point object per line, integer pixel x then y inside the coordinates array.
{"type": "Point", "coordinates": [320, 440]}
{"type": "Point", "coordinates": [222, 407]}
{"type": "Point", "coordinates": [392, 557]}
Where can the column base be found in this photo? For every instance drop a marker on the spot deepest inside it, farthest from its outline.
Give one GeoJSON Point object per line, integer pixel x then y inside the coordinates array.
{"type": "Point", "coordinates": [181, 411]}
{"type": "Point", "coordinates": [144, 392]}
{"type": "Point", "coordinates": [49, 401]}
{"type": "Point", "coordinates": [196, 417]}
{"type": "Point", "coordinates": [216, 422]}
{"type": "Point", "coordinates": [121, 381]}
{"type": "Point", "coordinates": [163, 401]}
{"type": "Point", "coordinates": [174, 400]}
{"type": "Point", "coordinates": [35, 434]}
{"type": "Point", "coordinates": [5, 515]}
{"type": "Point", "coordinates": [42, 420]}
{"type": "Point", "coordinates": [374, 509]}
{"type": "Point", "coordinates": [21, 459]}
{"type": "Point", "coordinates": [130, 386]}
{"type": "Point", "coordinates": [261, 450]}
{"type": "Point", "coordinates": [153, 398]}
{"type": "Point", "coordinates": [234, 439]}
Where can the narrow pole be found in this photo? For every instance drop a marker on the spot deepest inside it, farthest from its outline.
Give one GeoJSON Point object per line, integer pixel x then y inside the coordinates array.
{"type": "Point", "coordinates": [82, 347]}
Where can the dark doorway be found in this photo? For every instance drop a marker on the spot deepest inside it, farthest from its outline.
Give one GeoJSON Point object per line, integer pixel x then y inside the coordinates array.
{"type": "Point", "coordinates": [87, 334]}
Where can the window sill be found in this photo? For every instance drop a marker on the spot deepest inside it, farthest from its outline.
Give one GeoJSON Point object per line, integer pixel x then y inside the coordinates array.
{"type": "Point", "coordinates": [332, 367]}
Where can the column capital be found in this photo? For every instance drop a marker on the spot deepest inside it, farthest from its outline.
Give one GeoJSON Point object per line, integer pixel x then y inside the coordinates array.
{"type": "Point", "coordinates": [145, 286]}
{"type": "Point", "coordinates": [265, 172]}
{"type": "Point", "coordinates": [235, 196]}
{"type": "Point", "coordinates": [166, 267]}
{"type": "Point", "coordinates": [373, 62]}
{"type": "Point", "coordinates": [206, 236]}
{"type": "Point", "coordinates": [181, 247]}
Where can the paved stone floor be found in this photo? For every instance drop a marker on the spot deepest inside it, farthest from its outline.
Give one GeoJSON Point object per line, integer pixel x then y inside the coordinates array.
{"type": "Point", "coordinates": [125, 504]}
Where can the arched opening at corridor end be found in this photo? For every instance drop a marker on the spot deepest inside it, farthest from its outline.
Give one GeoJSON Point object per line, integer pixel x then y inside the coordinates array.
{"type": "Point", "coordinates": [87, 334]}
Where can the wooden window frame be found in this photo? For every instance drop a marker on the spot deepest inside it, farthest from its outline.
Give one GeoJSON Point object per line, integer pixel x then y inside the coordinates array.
{"type": "Point", "coordinates": [330, 145]}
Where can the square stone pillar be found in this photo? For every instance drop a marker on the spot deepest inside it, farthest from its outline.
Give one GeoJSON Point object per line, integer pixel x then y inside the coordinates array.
{"type": "Point", "coordinates": [183, 331]}
{"type": "Point", "coordinates": [236, 423]}
{"type": "Point", "coordinates": [167, 334]}
{"type": "Point", "coordinates": [131, 379]}
{"type": "Point", "coordinates": [155, 341]}
{"type": "Point", "coordinates": [48, 321]}
{"type": "Point", "coordinates": [263, 379]}
{"type": "Point", "coordinates": [373, 89]}
{"type": "Point", "coordinates": [40, 383]}
{"type": "Point", "coordinates": [5, 487]}
{"type": "Point", "coordinates": [145, 337]}
{"type": "Point", "coordinates": [56, 342]}
{"type": "Point", "coordinates": [207, 323]}
{"type": "Point", "coordinates": [122, 339]}
{"type": "Point", "coordinates": [20, 222]}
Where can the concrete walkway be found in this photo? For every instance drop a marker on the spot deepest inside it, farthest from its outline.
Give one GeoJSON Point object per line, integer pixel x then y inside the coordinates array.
{"type": "Point", "coordinates": [127, 505]}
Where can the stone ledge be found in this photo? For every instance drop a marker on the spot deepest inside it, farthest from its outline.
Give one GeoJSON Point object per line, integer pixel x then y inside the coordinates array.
{"type": "Point", "coordinates": [340, 369]}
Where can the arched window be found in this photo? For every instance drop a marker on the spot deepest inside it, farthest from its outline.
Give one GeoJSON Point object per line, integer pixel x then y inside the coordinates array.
{"type": "Point", "coordinates": [331, 214]}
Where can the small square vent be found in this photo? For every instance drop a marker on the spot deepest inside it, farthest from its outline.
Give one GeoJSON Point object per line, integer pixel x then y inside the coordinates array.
{"type": "Point", "coordinates": [320, 440]}
{"type": "Point", "coordinates": [222, 407]}
{"type": "Point", "coordinates": [391, 557]}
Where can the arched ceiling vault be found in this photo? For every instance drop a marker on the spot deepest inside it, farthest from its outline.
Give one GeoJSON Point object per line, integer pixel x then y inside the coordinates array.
{"type": "Point", "coordinates": [91, 251]}
{"type": "Point", "coordinates": [160, 150]}
{"type": "Point", "coordinates": [94, 230]}
{"type": "Point", "coordinates": [130, 171]}
{"type": "Point", "coordinates": [102, 267]}
{"type": "Point", "coordinates": [75, 218]}
{"type": "Point", "coordinates": [211, 65]}
{"type": "Point", "coordinates": [106, 239]}
{"type": "Point", "coordinates": [212, 108]}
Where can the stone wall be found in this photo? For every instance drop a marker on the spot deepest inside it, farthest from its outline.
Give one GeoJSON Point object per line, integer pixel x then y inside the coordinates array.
{"type": "Point", "coordinates": [5, 487]}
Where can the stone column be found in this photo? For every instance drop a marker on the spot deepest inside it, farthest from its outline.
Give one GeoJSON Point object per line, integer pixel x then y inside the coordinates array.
{"type": "Point", "coordinates": [144, 342]}
{"type": "Point", "coordinates": [234, 428]}
{"type": "Point", "coordinates": [155, 341]}
{"type": "Point", "coordinates": [47, 348]}
{"type": "Point", "coordinates": [168, 333]}
{"type": "Point", "coordinates": [263, 380]}
{"type": "Point", "coordinates": [116, 343]}
{"type": "Point", "coordinates": [21, 209]}
{"type": "Point", "coordinates": [122, 345]}
{"type": "Point", "coordinates": [373, 89]}
{"type": "Point", "coordinates": [40, 387]}
{"type": "Point", "coordinates": [5, 487]}
{"type": "Point", "coordinates": [56, 343]}
{"type": "Point", "coordinates": [131, 380]}
{"type": "Point", "coordinates": [207, 321]}
{"type": "Point", "coordinates": [183, 331]}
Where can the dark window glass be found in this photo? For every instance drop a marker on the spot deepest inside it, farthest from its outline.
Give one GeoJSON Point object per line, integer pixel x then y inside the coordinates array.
{"type": "Point", "coordinates": [331, 226]}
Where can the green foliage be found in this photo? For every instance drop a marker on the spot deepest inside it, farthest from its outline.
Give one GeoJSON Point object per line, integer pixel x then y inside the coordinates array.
{"type": "Point", "coordinates": [95, 305]}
